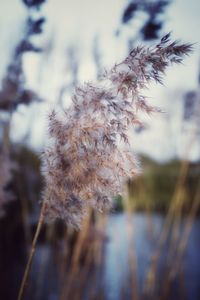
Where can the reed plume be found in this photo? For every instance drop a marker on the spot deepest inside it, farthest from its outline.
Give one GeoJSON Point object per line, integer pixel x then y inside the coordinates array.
{"type": "Point", "coordinates": [90, 157]}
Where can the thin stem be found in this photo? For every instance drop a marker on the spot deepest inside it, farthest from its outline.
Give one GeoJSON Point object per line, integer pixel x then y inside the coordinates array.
{"type": "Point", "coordinates": [29, 262]}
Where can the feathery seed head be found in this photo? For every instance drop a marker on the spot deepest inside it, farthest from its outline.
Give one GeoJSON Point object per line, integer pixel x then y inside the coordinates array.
{"type": "Point", "coordinates": [90, 157]}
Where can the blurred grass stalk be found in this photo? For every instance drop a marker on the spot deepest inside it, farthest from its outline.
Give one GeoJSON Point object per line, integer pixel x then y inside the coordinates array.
{"type": "Point", "coordinates": [32, 251]}
{"type": "Point", "coordinates": [172, 226]}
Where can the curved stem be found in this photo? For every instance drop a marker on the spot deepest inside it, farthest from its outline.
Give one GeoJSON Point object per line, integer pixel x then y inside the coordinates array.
{"type": "Point", "coordinates": [33, 246]}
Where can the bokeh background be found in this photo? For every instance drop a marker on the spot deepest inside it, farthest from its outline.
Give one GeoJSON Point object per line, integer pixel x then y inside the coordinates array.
{"type": "Point", "coordinates": [148, 247]}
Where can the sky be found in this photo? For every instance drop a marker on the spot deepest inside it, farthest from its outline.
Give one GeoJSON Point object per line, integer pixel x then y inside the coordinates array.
{"type": "Point", "coordinates": [76, 23]}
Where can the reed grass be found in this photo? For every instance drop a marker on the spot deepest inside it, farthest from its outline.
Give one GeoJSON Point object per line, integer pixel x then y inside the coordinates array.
{"type": "Point", "coordinates": [87, 164]}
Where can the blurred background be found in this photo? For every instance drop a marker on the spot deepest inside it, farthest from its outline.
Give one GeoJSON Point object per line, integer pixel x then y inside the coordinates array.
{"type": "Point", "coordinates": [148, 246]}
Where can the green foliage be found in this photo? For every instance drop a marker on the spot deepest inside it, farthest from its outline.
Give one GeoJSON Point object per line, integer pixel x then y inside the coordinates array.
{"type": "Point", "coordinates": [155, 188]}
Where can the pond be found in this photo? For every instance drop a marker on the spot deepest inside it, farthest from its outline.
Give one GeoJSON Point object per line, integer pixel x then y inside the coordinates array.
{"type": "Point", "coordinates": [132, 243]}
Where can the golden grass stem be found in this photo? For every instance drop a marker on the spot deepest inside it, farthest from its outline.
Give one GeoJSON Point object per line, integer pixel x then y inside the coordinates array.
{"type": "Point", "coordinates": [32, 251]}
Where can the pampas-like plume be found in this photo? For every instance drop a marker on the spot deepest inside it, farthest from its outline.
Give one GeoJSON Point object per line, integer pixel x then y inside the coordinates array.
{"type": "Point", "coordinates": [90, 156]}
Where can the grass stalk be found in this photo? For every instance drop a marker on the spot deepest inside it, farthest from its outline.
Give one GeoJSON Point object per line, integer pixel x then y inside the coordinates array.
{"type": "Point", "coordinates": [32, 251]}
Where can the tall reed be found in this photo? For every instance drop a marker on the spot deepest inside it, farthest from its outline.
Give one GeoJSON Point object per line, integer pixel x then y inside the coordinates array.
{"type": "Point", "coordinates": [90, 158]}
